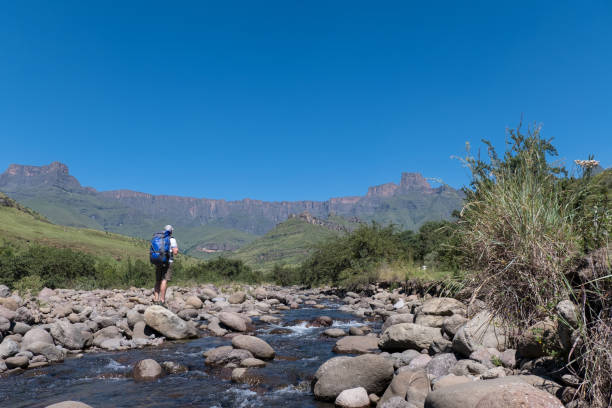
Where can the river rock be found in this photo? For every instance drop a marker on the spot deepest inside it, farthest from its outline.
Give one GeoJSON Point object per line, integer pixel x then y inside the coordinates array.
{"type": "Point", "coordinates": [334, 332]}
{"type": "Point", "coordinates": [172, 367]}
{"type": "Point", "coordinates": [413, 386]}
{"type": "Point", "coordinates": [19, 361]}
{"type": "Point", "coordinates": [468, 367]}
{"type": "Point", "coordinates": [69, 335]}
{"type": "Point", "coordinates": [5, 324]}
{"type": "Point", "coordinates": [260, 293]}
{"type": "Point", "coordinates": [134, 317]}
{"type": "Point", "coordinates": [225, 355]}
{"type": "Point", "coordinates": [9, 302]}
{"type": "Point", "coordinates": [194, 302]}
{"type": "Point", "coordinates": [258, 347]}
{"type": "Point", "coordinates": [450, 379]}
{"type": "Point", "coordinates": [252, 362]}
{"type": "Point", "coordinates": [8, 348]}
{"type": "Point", "coordinates": [443, 306]}
{"type": "Point", "coordinates": [51, 353]}
{"type": "Point", "coordinates": [233, 321]}
{"type": "Point", "coordinates": [404, 336]}
{"type": "Point", "coordinates": [36, 335]}
{"type": "Point", "coordinates": [370, 371]}
{"type": "Point", "coordinates": [214, 328]}
{"type": "Point", "coordinates": [357, 345]}
{"type": "Point", "coordinates": [147, 370]}
{"type": "Point", "coordinates": [168, 324]}
{"type": "Point", "coordinates": [238, 374]}
{"type": "Point", "coordinates": [7, 313]}
{"type": "Point", "coordinates": [480, 331]}
{"type": "Point", "coordinates": [441, 364]}
{"type": "Point", "coordinates": [237, 298]}
{"type": "Point", "coordinates": [507, 392]}
{"type": "Point", "coordinates": [451, 324]}
{"type": "Point", "coordinates": [353, 398]}
{"type": "Point", "coordinates": [107, 333]}
{"type": "Point", "coordinates": [69, 404]}
{"type": "Point", "coordinates": [430, 320]}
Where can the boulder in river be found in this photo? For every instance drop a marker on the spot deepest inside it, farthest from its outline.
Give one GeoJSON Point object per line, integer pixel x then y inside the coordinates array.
{"type": "Point", "coordinates": [370, 371]}
{"type": "Point", "coordinates": [357, 345]}
{"type": "Point", "coordinates": [233, 321]}
{"type": "Point", "coordinates": [147, 370]}
{"type": "Point", "coordinates": [258, 347]}
{"type": "Point", "coordinates": [167, 323]}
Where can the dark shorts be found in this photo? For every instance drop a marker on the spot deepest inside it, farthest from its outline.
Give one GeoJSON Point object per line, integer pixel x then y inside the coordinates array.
{"type": "Point", "coordinates": [163, 272]}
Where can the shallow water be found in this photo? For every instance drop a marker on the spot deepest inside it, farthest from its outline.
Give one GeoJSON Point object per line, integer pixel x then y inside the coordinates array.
{"type": "Point", "coordinates": [103, 380]}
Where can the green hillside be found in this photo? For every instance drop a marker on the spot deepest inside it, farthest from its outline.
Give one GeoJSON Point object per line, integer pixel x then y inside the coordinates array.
{"type": "Point", "coordinates": [20, 226]}
{"type": "Point", "coordinates": [289, 243]}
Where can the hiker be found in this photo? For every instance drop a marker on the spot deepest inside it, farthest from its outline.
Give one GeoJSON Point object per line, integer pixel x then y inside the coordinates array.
{"type": "Point", "coordinates": [163, 268]}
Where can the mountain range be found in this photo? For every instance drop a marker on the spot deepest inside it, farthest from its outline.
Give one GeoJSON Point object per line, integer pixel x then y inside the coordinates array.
{"type": "Point", "coordinates": [207, 226]}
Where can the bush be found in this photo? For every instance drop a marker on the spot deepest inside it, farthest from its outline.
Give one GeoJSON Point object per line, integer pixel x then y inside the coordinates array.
{"type": "Point", "coordinates": [517, 229]}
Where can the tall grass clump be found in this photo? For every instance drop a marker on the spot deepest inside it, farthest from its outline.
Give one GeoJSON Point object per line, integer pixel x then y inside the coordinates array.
{"type": "Point", "coordinates": [534, 237]}
{"type": "Point", "coordinates": [517, 229]}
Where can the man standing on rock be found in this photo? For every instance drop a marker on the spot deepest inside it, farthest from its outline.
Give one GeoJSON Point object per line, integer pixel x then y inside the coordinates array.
{"type": "Point", "coordinates": [163, 272]}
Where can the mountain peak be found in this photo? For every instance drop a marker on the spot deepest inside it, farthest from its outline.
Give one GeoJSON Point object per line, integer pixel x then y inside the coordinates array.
{"type": "Point", "coordinates": [54, 174]}
{"type": "Point", "coordinates": [414, 182]}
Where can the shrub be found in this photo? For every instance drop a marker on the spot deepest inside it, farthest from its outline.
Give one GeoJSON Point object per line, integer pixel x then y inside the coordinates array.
{"type": "Point", "coordinates": [517, 230]}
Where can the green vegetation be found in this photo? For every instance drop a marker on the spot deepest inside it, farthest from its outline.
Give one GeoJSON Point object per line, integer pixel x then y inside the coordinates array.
{"type": "Point", "coordinates": [289, 243]}
{"type": "Point", "coordinates": [372, 253]}
{"type": "Point", "coordinates": [535, 237]}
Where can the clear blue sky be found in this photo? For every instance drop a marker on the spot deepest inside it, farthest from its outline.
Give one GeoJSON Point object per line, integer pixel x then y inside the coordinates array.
{"type": "Point", "coordinates": [291, 100]}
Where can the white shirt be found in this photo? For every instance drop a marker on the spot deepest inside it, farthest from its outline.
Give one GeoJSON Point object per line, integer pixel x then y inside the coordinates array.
{"type": "Point", "coordinates": [173, 244]}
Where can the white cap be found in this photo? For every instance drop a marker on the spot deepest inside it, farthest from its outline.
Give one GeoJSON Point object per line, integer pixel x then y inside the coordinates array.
{"type": "Point", "coordinates": [169, 228]}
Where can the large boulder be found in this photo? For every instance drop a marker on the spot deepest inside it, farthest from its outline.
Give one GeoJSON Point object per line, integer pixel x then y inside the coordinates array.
{"type": "Point", "coordinates": [51, 353]}
{"type": "Point", "coordinates": [147, 370]}
{"type": "Point", "coordinates": [443, 306]}
{"type": "Point", "coordinates": [8, 348]}
{"type": "Point", "coordinates": [36, 335]}
{"type": "Point", "coordinates": [105, 334]}
{"type": "Point", "coordinates": [226, 355]}
{"type": "Point", "coordinates": [232, 321]}
{"type": "Point", "coordinates": [370, 371]}
{"type": "Point", "coordinates": [441, 364]}
{"type": "Point", "coordinates": [397, 319]}
{"type": "Point", "coordinates": [405, 336]}
{"type": "Point", "coordinates": [357, 345]}
{"type": "Point", "coordinates": [258, 347]}
{"type": "Point", "coordinates": [481, 331]}
{"type": "Point", "coordinates": [413, 386]}
{"type": "Point", "coordinates": [507, 392]}
{"type": "Point", "coordinates": [68, 335]}
{"type": "Point", "coordinates": [168, 324]}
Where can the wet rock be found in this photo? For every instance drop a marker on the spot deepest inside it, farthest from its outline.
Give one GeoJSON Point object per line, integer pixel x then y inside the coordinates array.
{"type": "Point", "coordinates": [322, 321]}
{"type": "Point", "coordinates": [252, 362]}
{"type": "Point", "coordinates": [19, 361]}
{"type": "Point", "coordinates": [258, 347]}
{"type": "Point", "coordinates": [147, 370]}
{"type": "Point", "coordinates": [51, 353]}
{"type": "Point", "coordinates": [370, 371]}
{"type": "Point", "coordinates": [480, 331]}
{"type": "Point", "coordinates": [171, 367]}
{"type": "Point", "coordinates": [413, 386]}
{"type": "Point", "coordinates": [334, 333]}
{"type": "Point", "coordinates": [404, 336]}
{"type": "Point", "coordinates": [168, 324]}
{"type": "Point", "coordinates": [357, 345]}
{"type": "Point", "coordinates": [508, 392]}
{"type": "Point", "coordinates": [353, 398]}
{"type": "Point", "coordinates": [233, 321]}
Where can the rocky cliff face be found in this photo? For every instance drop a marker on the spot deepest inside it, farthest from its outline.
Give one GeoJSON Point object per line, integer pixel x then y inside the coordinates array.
{"type": "Point", "coordinates": [408, 204]}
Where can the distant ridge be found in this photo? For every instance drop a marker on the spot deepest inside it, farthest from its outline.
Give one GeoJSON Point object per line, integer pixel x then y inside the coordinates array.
{"type": "Point", "coordinates": [215, 223]}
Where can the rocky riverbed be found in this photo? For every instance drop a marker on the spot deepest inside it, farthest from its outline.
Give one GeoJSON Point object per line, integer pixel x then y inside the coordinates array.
{"type": "Point", "coordinates": [270, 346]}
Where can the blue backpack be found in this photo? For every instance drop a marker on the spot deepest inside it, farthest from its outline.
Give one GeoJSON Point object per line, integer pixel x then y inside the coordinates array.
{"type": "Point", "coordinates": [159, 253]}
